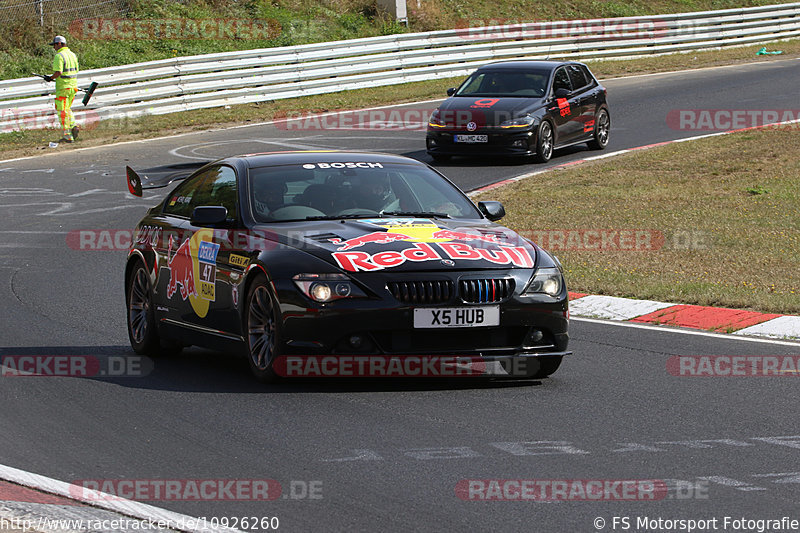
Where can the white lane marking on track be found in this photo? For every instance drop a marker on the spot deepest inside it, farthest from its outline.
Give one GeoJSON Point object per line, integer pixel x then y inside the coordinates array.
{"type": "Point", "coordinates": [107, 501]}
{"type": "Point", "coordinates": [195, 147]}
{"type": "Point", "coordinates": [62, 206]}
{"type": "Point", "coordinates": [86, 193]}
{"type": "Point", "coordinates": [45, 170]}
{"type": "Point", "coordinates": [99, 210]}
{"type": "Point", "coordinates": [27, 191]}
{"type": "Point", "coordinates": [668, 329]}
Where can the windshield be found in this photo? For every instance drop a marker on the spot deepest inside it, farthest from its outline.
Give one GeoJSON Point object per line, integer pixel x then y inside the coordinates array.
{"type": "Point", "coordinates": [315, 191]}
{"type": "Point", "coordinates": [506, 83]}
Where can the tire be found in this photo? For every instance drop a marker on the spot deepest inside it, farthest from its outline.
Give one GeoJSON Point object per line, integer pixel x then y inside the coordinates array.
{"type": "Point", "coordinates": [547, 365]}
{"type": "Point", "coordinates": [441, 158]}
{"type": "Point", "coordinates": [602, 127]}
{"type": "Point", "coordinates": [141, 318]}
{"type": "Point", "coordinates": [262, 329]}
{"type": "Point", "coordinates": [544, 142]}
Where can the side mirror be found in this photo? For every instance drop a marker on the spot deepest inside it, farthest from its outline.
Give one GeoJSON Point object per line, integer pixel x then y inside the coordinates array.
{"type": "Point", "coordinates": [494, 211]}
{"type": "Point", "coordinates": [451, 91]}
{"type": "Point", "coordinates": [209, 215]}
{"type": "Point", "coordinates": [562, 93]}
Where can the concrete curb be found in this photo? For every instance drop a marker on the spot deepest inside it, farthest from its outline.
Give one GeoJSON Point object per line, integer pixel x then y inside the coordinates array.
{"type": "Point", "coordinates": [716, 319]}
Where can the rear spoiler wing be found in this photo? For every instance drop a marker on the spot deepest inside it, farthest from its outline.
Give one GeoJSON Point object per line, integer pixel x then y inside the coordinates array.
{"type": "Point", "coordinates": [135, 186]}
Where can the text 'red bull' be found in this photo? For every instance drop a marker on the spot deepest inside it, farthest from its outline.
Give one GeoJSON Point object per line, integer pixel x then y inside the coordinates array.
{"type": "Point", "coordinates": [561, 489]}
{"type": "Point", "coordinates": [355, 261]}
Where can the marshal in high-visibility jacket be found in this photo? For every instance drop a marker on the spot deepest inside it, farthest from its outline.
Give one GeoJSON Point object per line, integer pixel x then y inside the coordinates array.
{"type": "Point", "coordinates": [65, 74]}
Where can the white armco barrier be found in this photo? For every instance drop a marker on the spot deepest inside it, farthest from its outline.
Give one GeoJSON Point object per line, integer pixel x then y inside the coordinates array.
{"type": "Point", "coordinates": [229, 78]}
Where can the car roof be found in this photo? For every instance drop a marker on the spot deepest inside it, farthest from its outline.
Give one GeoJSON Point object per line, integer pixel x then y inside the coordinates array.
{"type": "Point", "coordinates": [526, 65]}
{"type": "Point", "coordinates": [267, 159]}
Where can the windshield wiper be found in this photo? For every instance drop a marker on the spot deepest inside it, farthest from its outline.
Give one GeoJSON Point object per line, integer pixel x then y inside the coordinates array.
{"type": "Point", "coordinates": [337, 217]}
{"type": "Point", "coordinates": [418, 214]}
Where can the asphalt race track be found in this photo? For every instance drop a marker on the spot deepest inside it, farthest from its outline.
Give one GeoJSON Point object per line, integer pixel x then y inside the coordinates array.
{"type": "Point", "coordinates": [383, 455]}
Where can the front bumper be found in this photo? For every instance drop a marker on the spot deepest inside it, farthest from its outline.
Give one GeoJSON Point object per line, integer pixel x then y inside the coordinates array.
{"type": "Point", "coordinates": [505, 143]}
{"type": "Point", "coordinates": [414, 366]}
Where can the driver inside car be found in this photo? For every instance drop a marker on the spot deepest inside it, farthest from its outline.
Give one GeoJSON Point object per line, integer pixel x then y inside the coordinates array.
{"type": "Point", "coordinates": [374, 193]}
{"type": "Point", "coordinates": [269, 196]}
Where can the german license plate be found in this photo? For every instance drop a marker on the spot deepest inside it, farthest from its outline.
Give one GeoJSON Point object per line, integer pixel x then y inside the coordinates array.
{"type": "Point", "coordinates": [457, 317]}
{"type": "Point", "coordinates": [472, 138]}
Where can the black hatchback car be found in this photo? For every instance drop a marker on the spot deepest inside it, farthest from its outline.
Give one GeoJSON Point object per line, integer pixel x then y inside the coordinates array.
{"type": "Point", "coordinates": [521, 108]}
{"type": "Point", "coordinates": [340, 258]}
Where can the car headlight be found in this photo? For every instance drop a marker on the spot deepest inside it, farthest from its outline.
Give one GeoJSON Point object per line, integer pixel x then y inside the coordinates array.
{"type": "Point", "coordinates": [327, 287]}
{"type": "Point", "coordinates": [435, 121]}
{"type": "Point", "coordinates": [545, 280]}
{"type": "Point", "coordinates": [521, 122]}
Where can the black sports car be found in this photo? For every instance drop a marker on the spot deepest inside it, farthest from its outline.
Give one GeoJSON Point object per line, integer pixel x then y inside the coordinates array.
{"type": "Point", "coordinates": [334, 255]}
{"type": "Point", "coordinates": [521, 108]}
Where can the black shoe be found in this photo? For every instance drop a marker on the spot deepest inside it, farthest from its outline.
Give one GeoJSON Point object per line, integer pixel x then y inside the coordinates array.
{"type": "Point", "coordinates": [75, 131]}
{"type": "Point", "coordinates": [64, 140]}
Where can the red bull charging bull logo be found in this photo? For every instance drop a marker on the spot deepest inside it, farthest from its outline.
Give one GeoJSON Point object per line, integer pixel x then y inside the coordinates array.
{"type": "Point", "coordinates": [181, 270]}
{"type": "Point", "coordinates": [193, 267]}
{"type": "Point", "coordinates": [419, 233]}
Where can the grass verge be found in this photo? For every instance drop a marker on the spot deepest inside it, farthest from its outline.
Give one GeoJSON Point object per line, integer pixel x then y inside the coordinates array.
{"type": "Point", "coordinates": [31, 142]}
{"type": "Point", "coordinates": [718, 219]}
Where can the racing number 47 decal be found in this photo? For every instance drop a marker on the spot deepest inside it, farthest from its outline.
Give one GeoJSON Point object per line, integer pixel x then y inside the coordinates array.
{"type": "Point", "coordinates": [207, 259]}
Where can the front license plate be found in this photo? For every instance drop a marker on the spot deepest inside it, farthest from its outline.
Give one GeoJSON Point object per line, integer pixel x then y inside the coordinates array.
{"type": "Point", "coordinates": [472, 138]}
{"type": "Point", "coordinates": [457, 317]}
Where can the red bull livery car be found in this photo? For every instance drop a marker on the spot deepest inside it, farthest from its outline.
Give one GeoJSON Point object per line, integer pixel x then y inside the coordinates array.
{"type": "Point", "coordinates": [342, 263]}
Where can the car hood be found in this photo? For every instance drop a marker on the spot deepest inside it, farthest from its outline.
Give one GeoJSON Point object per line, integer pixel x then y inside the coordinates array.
{"type": "Point", "coordinates": [408, 244]}
{"type": "Point", "coordinates": [457, 111]}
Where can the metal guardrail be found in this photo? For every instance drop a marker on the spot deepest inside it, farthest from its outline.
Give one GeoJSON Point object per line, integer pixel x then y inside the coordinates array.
{"type": "Point", "coordinates": [230, 78]}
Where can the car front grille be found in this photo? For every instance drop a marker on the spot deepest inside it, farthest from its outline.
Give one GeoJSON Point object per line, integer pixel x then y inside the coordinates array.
{"type": "Point", "coordinates": [481, 291]}
{"type": "Point", "coordinates": [422, 292]}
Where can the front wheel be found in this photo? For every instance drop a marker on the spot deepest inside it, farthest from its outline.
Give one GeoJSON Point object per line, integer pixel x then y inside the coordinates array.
{"type": "Point", "coordinates": [544, 143]}
{"type": "Point", "coordinates": [602, 126]}
{"type": "Point", "coordinates": [262, 327]}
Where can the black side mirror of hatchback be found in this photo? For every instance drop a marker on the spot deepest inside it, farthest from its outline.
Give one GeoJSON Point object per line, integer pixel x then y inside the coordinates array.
{"type": "Point", "coordinates": [494, 211]}
{"type": "Point", "coordinates": [562, 93]}
{"type": "Point", "coordinates": [209, 215]}
{"type": "Point", "coordinates": [451, 91]}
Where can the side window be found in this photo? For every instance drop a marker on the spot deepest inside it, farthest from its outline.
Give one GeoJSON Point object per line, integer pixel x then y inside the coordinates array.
{"type": "Point", "coordinates": [587, 74]}
{"type": "Point", "coordinates": [214, 186]}
{"type": "Point", "coordinates": [472, 85]}
{"type": "Point", "coordinates": [561, 80]}
{"type": "Point", "coordinates": [576, 77]}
